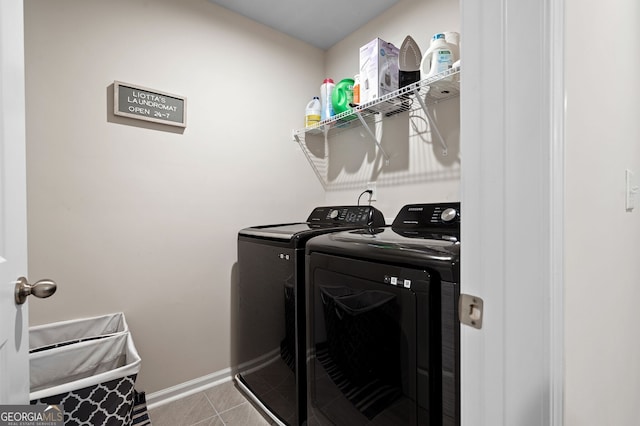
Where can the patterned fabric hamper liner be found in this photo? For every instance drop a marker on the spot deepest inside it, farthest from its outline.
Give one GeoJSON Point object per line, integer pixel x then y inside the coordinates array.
{"type": "Point", "coordinates": [89, 367]}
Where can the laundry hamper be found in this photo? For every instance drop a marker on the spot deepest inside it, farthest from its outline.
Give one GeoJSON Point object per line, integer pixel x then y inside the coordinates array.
{"type": "Point", "coordinates": [93, 380]}
{"type": "Point", "coordinates": [48, 336]}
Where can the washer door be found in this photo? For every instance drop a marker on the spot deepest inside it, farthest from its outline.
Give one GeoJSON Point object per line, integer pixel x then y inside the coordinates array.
{"type": "Point", "coordinates": [371, 328]}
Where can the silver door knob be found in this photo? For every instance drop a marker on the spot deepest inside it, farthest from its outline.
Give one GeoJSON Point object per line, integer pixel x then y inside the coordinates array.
{"type": "Point", "coordinates": [41, 289]}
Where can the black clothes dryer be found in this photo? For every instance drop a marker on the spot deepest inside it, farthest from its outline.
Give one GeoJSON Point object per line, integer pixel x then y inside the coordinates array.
{"type": "Point", "coordinates": [383, 334]}
{"type": "Point", "coordinates": [270, 329]}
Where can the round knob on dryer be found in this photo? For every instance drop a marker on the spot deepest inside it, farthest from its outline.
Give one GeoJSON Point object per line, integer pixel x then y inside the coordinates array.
{"type": "Point", "coordinates": [449, 215]}
{"type": "Point", "coordinates": [333, 214]}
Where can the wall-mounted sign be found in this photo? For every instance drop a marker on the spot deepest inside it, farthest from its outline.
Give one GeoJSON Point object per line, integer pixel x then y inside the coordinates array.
{"type": "Point", "coordinates": [148, 104]}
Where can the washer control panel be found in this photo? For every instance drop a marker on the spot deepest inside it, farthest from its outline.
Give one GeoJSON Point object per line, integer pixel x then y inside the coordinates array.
{"type": "Point", "coordinates": [346, 216]}
{"type": "Point", "coordinates": [449, 214]}
{"type": "Point", "coordinates": [425, 216]}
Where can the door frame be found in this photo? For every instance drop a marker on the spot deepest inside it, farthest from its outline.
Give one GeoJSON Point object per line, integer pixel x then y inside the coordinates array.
{"type": "Point", "coordinates": [512, 192]}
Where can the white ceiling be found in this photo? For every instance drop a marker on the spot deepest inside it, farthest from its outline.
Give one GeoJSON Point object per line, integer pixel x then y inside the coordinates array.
{"type": "Point", "coordinates": [320, 23]}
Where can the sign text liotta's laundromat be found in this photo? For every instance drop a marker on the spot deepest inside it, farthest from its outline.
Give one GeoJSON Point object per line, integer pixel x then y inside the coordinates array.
{"type": "Point", "coordinates": [148, 104]}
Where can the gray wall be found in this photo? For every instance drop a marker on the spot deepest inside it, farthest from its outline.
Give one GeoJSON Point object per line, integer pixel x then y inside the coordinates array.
{"type": "Point", "coordinates": [139, 218]}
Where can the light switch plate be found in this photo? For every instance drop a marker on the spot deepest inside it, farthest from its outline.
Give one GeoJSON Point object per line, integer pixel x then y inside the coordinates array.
{"type": "Point", "coordinates": [631, 190]}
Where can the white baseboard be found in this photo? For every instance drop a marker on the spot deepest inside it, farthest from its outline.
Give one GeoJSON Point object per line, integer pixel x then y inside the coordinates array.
{"type": "Point", "coordinates": [191, 387]}
{"type": "Point", "coordinates": [199, 384]}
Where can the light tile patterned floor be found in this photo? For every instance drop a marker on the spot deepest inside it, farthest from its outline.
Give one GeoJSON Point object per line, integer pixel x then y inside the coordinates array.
{"type": "Point", "coordinates": [221, 405]}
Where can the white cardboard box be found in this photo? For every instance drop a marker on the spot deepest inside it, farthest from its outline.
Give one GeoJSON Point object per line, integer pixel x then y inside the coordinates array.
{"type": "Point", "coordinates": [378, 69]}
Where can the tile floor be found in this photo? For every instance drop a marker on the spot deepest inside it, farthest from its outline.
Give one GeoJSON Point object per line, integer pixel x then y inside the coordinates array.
{"type": "Point", "coordinates": [221, 405]}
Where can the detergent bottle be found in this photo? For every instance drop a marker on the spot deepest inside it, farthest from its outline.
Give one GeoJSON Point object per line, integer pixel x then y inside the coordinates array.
{"type": "Point", "coordinates": [326, 91]}
{"type": "Point", "coordinates": [439, 57]}
{"type": "Point", "coordinates": [342, 95]}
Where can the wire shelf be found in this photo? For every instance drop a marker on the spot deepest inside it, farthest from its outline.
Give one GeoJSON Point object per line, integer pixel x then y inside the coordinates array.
{"type": "Point", "coordinates": [364, 123]}
{"type": "Point", "coordinates": [437, 88]}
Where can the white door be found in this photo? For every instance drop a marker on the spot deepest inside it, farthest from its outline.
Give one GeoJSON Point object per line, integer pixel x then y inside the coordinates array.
{"type": "Point", "coordinates": [14, 342]}
{"type": "Point", "coordinates": [512, 111]}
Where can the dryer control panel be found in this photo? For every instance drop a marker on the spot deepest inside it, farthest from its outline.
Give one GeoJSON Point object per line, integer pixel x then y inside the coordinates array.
{"type": "Point", "coordinates": [346, 216]}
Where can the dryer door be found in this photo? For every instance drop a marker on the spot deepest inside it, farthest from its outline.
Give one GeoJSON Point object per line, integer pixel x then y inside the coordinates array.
{"type": "Point", "coordinates": [266, 335]}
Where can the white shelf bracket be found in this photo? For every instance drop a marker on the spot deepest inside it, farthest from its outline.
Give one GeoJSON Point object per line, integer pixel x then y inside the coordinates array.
{"type": "Point", "coordinates": [305, 151]}
{"type": "Point", "coordinates": [432, 122]}
{"type": "Point", "coordinates": [373, 136]}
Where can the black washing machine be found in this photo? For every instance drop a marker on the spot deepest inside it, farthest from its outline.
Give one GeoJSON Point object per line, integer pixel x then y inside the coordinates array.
{"type": "Point", "coordinates": [270, 334]}
{"type": "Point", "coordinates": [383, 331]}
